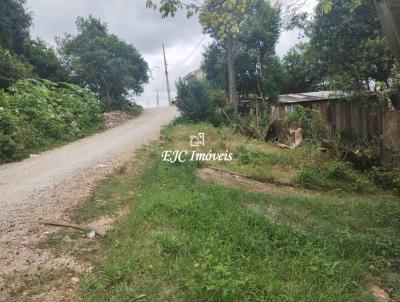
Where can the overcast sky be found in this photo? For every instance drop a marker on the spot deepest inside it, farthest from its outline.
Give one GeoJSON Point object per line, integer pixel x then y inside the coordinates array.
{"type": "Point", "coordinates": [143, 28]}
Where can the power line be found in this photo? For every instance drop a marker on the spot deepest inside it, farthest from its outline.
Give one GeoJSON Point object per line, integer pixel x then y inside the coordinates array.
{"type": "Point", "coordinates": [192, 53]}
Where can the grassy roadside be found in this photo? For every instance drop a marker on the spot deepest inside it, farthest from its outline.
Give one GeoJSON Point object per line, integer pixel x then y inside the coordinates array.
{"type": "Point", "coordinates": [189, 240]}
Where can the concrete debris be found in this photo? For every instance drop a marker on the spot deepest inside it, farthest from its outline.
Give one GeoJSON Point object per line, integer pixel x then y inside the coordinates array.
{"type": "Point", "coordinates": [116, 118]}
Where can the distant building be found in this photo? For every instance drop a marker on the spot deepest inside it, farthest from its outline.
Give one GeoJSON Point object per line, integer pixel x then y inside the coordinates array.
{"type": "Point", "coordinates": [197, 74]}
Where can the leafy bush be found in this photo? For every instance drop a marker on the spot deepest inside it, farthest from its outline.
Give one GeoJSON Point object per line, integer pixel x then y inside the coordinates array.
{"type": "Point", "coordinates": [13, 67]}
{"type": "Point", "coordinates": [123, 104]}
{"type": "Point", "coordinates": [35, 115]}
{"type": "Point", "coordinates": [333, 175]}
{"type": "Point", "coordinates": [197, 101]}
{"type": "Point", "coordinates": [310, 121]}
{"type": "Point", "coordinates": [386, 178]}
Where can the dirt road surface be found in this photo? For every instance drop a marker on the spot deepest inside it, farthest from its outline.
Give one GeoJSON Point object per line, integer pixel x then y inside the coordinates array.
{"type": "Point", "coordinates": [46, 185]}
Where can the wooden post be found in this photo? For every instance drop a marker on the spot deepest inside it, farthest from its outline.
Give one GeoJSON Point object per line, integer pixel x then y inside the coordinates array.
{"type": "Point", "coordinates": [166, 76]}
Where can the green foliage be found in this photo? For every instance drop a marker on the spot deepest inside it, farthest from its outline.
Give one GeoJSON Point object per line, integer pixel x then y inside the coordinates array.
{"type": "Point", "coordinates": [310, 121]}
{"type": "Point", "coordinates": [12, 68]}
{"type": "Point", "coordinates": [392, 88]}
{"type": "Point", "coordinates": [14, 25]}
{"type": "Point", "coordinates": [388, 179]}
{"type": "Point", "coordinates": [248, 156]}
{"type": "Point", "coordinates": [102, 62]}
{"type": "Point", "coordinates": [197, 101]}
{"type": "Point", "coordinates": [44, 61]}
{"type": "Point", "coordinates": [332, 175]}
{"type": "Point", "coordinates": [35, 115]}
{"type": "Point", "coordinates": [214, 65]}
{"type": "Point", "coordinates": [20, 56]}
{"type": "Point", "coordinates": [258, 70]}
{"type": "Point", "coordinates": [301, 69]}
{"type": "Point", "coordinates": [349, 44]}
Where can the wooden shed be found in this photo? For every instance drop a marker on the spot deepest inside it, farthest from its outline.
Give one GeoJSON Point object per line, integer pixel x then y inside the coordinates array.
{"type": "Point", "coordinates": [342, 116]}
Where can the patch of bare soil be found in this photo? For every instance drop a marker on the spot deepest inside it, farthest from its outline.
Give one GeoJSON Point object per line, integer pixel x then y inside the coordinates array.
{"type": "Point", "coordinates": [380, 294]}
{"type": "Point", "coordinates": [230, 179]}
{"type": "Point", "coordinates": [58, 280]}
{"type": "Point", "coordinates": [116, 118]}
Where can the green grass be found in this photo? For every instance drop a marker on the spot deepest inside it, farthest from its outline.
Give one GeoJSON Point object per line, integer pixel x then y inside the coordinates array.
{"type": "Point", "coordinates": [189, 240]}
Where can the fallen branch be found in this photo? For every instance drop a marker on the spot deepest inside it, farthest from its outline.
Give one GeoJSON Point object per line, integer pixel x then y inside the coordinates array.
{"type": "Point", "coordinates": [70, 225]}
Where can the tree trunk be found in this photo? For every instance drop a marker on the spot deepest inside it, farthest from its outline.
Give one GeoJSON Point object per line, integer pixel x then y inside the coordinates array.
{"type": "Point", "coordinates": [230, 62]}
{"type": "Point", "coordinates": [389, 15]}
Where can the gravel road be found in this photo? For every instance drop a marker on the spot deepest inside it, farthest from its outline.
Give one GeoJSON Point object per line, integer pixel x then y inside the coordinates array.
{"type": "Point", "coordinates": [46, 185]}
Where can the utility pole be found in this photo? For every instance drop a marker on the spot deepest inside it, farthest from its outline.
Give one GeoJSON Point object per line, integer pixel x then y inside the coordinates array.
{"type": "Point", "coordinates": [166, 75]}
{"type": "Point", "coordinates": [158, 100]}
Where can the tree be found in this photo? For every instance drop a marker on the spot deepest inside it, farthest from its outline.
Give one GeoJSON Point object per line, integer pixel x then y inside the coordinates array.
{"type": "Point", "coordinates": [45, 63]}
{"type": "Point", "coordinates": [302, 71]}
{"type": "Point", "coordinates": [195, 100]}
{"type": "Point", "coordinates": [222, 19]}
{"type": "Point", "coordinates": [257, 69]}
{"type": "Point", "coordinates": [388, 12]}
{"type": "Point", "coordinates": [21, 56]}
{"type": "Point", "coordinates": [15, 23]}
{"type": "Point", "coordinates": [389, 15]}
{"type": "Point", "coordinates": [102, 62]}
{"type": "Point", "coordinates": [214, 65]}
{"type": "Point", "coordinates": [13, 68]}
{"type": "Point", "coordinates": [259, 33]}
{"type": "Point", "coordinates": [350, 46]}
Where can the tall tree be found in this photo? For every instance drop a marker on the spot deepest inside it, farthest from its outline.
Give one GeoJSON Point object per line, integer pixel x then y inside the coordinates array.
{"type": "Point", "coordinates": [15, 23]}
{"type": "Point", "coordinates": [350, 45]}
{"type": "Point", "coordinates": [44, 61]}
{"type": "Point", "coordinates": [222, 20]}
{"type": "Point", "coordinates": [257, 69]}
{"type": "Point", "coordinates": [303, 73]}
{"type": "Point", "coordinates": [102, 62]}
{"type": "Point", "coordinates": [389, 15]}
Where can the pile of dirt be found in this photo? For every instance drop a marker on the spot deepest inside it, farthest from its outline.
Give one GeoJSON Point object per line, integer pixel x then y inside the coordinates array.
{"type": "Point", "coordinates": [116, 118]}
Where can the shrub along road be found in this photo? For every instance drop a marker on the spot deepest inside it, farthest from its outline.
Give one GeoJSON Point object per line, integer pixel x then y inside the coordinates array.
{"type": "Point", "coordinates": [45, 186]}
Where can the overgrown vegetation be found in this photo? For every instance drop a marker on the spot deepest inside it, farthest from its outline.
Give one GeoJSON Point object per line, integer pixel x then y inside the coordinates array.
{"type": "Point", "coordinates": [310, 121]}
{"type": "Point", "coordinates": [198, 102]}
{"type": "Point", "coordinates": [35, 115]}
{"type": "Point", "coordinates": [388, 178]}
{"type": "Point", "coordinates": [189, 240]}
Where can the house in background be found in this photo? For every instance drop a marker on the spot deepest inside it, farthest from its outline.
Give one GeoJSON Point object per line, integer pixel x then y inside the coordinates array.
{"type": "Point", "coordinates": [197, 74]}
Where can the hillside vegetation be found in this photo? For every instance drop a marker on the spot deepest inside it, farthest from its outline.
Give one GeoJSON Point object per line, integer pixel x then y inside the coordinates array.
{"type": "Point", "coordinates": [36, 115]}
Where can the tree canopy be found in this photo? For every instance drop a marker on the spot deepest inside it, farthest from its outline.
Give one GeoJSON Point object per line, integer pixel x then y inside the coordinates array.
{"type": "Point", "coordinates": [349, 43]}
{"type": "Point", "coordinates": [20, 56]}
{"type": "Point", "coordinates": [257, 68]}
{"type": "Point", "coordinates": [347, 50]}
{"type": "Point", "coordinates": [102, 62]}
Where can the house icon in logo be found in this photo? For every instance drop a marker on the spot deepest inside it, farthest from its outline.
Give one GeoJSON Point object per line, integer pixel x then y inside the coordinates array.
{"type": "Point", "coordinates": [197, 140]}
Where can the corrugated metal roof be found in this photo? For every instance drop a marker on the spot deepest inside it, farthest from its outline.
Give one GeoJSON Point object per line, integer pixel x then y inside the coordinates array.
{"type": "Point", "coordinates": [311, 96]}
